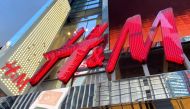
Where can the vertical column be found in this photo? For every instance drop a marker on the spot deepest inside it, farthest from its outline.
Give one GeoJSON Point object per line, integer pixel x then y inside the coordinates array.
{"type": "Point", "coordinates": [186, 62]}
{"type": "Point", "coordinates": [145, 69]}
{"type": "Point", "coordinates": [105, 19]}
{"type": "Point", "coordinates": [165, 66]}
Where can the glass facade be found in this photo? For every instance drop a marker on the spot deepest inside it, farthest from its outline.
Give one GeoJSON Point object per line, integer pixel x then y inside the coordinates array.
{"type": "Point", "coordinates": [84, 13]}
{"type": "Point", "coordinates": [147, 92]}
{"type": "Point", "coordinates": [167, 86]}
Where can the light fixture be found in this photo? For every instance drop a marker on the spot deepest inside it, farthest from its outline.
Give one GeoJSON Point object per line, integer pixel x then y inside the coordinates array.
{"type": "Point", "coordinates": [69, 33]}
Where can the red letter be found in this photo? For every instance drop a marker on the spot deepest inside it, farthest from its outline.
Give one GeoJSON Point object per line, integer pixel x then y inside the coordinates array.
{"type": "Point", "coordinates": [71, 65]}
{"type": "Point", "coordinates": [53, 56]}
{"type": "Point", "coordinates": [66, 51]}
{"type": "Point", "coordinates": [97, 56]}
{"type": "Point", "coordinates": [11, 70]}
{"type": "Point", "coordinates": [139, 50]}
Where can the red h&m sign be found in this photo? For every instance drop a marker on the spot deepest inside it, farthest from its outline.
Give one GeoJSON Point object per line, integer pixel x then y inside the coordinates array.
{"type": "Point", "coordinates": [139, 49]}
{"type": "Point", "coordinates": [95, 41]}
{"type": "Point", "coordinates": [11, 72]}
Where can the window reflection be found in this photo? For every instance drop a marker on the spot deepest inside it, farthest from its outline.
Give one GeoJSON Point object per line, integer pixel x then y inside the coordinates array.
{"type": "Point", "coordinates": [75, 9]}
{"type": "Point", "coordinates": [85, 1]}
{"type": "Point", "coordinates": [93, 1]}
{"type": "Point", "coordinates": [92, 16]}
{"type": "Point", "coordinates": [85, 18]}
{"type": "Point", "coordinates": [92, 6]}
{"type": "Point", "coordinates": [90, 25]}
{"type": "Point", "coordinates": [82, 16]}
{"type": "Point", "coordinates": [81, 5]}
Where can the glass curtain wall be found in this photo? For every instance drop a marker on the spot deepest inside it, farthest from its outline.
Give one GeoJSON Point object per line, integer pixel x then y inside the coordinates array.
{"type": "Point", "coordinates": [87, 14]}
{"type": "Point", "coordinates": [84, 13]}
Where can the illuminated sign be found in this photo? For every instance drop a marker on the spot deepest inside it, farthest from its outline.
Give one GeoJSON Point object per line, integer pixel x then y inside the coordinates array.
{"type": "Point", "coordinates": [95, 41]}
{"type": "Point", "coordinates": [77, 53]}
{"type": "Point", "coordinates": [11, 72]}
{"type": "Point", "coordinates": [139, 49]}
{"type": "Point", "coordinates": [51, 99]}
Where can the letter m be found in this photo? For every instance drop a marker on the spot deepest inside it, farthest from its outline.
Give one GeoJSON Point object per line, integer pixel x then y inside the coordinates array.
{"type": "Point", "coordinates": [139, 49]}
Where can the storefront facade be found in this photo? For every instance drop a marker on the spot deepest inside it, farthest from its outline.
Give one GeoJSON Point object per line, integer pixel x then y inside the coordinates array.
{"type": "Point", "coordinates": [155, 83]}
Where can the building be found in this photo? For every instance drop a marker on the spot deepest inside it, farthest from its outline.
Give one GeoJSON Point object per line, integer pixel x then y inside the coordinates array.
{"type": "Point", "coordinates": [128, 86]}
{"type": "Point", "coordinates": [36, 39]}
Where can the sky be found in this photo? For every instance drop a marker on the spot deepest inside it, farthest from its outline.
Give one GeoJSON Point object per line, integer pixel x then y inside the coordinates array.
{"type": "Point", "coordinates": [14, 14]}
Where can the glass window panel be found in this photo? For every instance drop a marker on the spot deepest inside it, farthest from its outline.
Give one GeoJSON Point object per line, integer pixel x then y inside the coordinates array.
{"type": "Point", "coordinates": [79, 1]}
{"type": "Point", "coordinates": [125, 98]}
{"type": "Point", "coordinates": [74, 20]}
{"type": "Point", "coordinates": [80, 19]}
{"type": "Point", "coordinates": [115, 99]}
{"type": "Point", "coordinates": [93, 1]}
{"type": "Point", "coordinates": [78, 14]}
{"type": "Point", "coordinates": [88, 1]}
{"type": "Point", "coordinates": [79, 81]}
{"type": "Point", "coordinates": [92, 16]}
{"type": "Point", "coordinates": [115, 87]}
{"type": "Point", "coordinates": [76, 10]}
{"type": "Point", "coordinates": [104, 102]}
{"type": "Point", "coordinates": [159, 91]}
{"type": "Point", "coordinates": [125, 91]}
{"type": "Point", "coordinates": [161, 96]}
{"type": "Point", "coordinates": [79, 5]}
{"type": "Point", "coordinates": [135, 84]}
{"type": "Point", "coordinates": [80, 8]}
{"type": "Point", "coordinates": [124, 82]}
{"type": "Point", "coordinates": [115, 93]}
{"type": "Point", "coordinates": [84, 4]}
{"type": "Point", "coordinates": [114, 83]}
{"type": "Point", "coordinates": [82, 24]}
{"type": "Point", "coordinates": [104, 88]}
{"type": "Point", "coordinates": [87, 12]}
{"type": "Point", "coordinates": [135, 96]}
{"type": "Point", "coordinates": [68, 29]}
{"type": "Point", "coordinates": [124, 86]}
{"type": "Point", "coordinates": [91, 24]}
{"type": "Point", "coordinates": [104, 93]}
{"type": "Point", "coordinates": [104, 84]}
{"type": "Point", "coordinates": [92, 6]}
{"type": "Point", "coordinates": [83, 19]}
